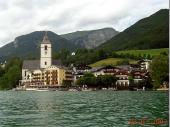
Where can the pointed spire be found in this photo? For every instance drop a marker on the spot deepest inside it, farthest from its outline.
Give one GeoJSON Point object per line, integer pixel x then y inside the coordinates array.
{"type": "Point", "coordinates": [45, 39]}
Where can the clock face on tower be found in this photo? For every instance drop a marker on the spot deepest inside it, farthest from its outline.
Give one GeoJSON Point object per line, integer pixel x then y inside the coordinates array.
{"type": "Point", "coordinates": [45, 52]}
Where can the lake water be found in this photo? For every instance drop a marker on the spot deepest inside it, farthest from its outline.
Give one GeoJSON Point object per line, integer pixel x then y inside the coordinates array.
{"type": "Point", "coordinates": [81, 109]}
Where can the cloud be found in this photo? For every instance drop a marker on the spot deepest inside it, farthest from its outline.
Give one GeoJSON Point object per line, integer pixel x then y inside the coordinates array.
{"type": "Point", "coordinates": [20, 17]}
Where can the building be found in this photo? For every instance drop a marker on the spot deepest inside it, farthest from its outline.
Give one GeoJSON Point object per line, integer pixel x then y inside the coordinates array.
{"type": "Point", "coordinates": [122, 78]}
{"type": "Point", "coordinates": [123, 74]}
{"type": "Point", "coordinates": [144, 64]}
{"type": "Point", "coordinates": [107, 70]}
{"type": "Point", "coordinates": [2, 65]}
{"type": "Point", "coordinates": [80, 70]}
{"type": "Point", "coordinates": [45, 72]}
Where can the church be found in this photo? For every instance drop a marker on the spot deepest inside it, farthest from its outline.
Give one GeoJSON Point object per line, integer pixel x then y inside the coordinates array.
{"type": "Point", "coordinates": [45, 72]}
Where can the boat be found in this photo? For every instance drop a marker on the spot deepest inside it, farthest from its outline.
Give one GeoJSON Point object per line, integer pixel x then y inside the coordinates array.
{"type": "Point", "coordinates": [73, 90]}
{"type": "Point", "coordinates": [36, 89]}
{"type": "Point", "coordinates": [163, 89]}
{"type": "Point", "coordinates": [86, 89]}
{"type": "Point", "coordinates": [42, 90]}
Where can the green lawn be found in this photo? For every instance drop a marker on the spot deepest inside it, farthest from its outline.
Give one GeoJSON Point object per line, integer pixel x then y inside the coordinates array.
{"type": "Point", "coordinates": [113, 61]}
{"type": "Point", "coordinates": [109, 61]}
{"type": "Point", "coordinates": [152, 52]}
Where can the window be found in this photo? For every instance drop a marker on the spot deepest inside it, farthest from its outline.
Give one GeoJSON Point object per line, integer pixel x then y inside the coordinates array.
{"type": "Point", "coordinates": [45, 47]}
{"type": "Point", "coordinates": [45, 63]}
{"type": "Point", "coordinates": [25, 73]}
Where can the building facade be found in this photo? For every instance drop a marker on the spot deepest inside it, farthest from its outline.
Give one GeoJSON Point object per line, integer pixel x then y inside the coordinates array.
{"type": "Point", "coordinates": [45, 72]}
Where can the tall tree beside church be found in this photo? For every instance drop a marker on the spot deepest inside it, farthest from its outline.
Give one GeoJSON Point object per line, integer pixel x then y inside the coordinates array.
{"type": "Point", "coordinates": [12, 74]}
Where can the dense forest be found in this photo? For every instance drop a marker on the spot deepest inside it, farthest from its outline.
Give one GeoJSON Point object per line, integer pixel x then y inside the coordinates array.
{"type": "Point", "coordinates": [148, 33]}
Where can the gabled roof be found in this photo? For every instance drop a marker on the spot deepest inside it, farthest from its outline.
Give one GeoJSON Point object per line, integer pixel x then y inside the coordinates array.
{"type": "Point", "coordinates": [122, 72]}
{"type": "Point", "coordinates": [35, 64]}
{"type": "Point", "coordinates": [31, 64]}
{"type": "Point", "coordinates": [123, 67]}
{"type": "Point", "coordinates": [82, 67]}
{"type": "Point", "coordinates": [57, 62]}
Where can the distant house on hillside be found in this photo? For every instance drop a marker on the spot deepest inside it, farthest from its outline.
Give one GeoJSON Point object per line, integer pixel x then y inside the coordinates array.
{"type": "Point", "coordinates": [79, 70]}
{"type": "Point", "coordinates": [144, 64]}
{"type": "Point", "coordinates": [107, 70]}
{"type": "Point", "coordinates": [123, 78]}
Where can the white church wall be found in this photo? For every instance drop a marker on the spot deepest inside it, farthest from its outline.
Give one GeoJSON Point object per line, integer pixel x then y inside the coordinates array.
{"type": "Point", "coordinates": [46, 53]}
{"type": "Point", "coordinates": [24, 74]}
{"type": "Point", "coordinates": [45, 59]}
{"type": "Point", "coordinates": [45, 62]}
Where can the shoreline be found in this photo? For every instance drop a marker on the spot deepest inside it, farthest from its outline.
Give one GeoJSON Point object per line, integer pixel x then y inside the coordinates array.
{"type": "Point", "coordinates": [85, 89]}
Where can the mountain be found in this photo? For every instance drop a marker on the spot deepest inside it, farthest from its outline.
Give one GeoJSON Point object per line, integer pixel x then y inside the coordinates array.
{"type": "Point", "coordinates": [148, 33]}
{"type": "Point", "coordinates": [29, 45]}
{"type": "Point", "coordinates": [90, 39]}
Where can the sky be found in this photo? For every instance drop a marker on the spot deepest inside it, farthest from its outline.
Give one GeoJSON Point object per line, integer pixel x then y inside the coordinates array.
{"type": "Point", "coordinates": [19, 17]}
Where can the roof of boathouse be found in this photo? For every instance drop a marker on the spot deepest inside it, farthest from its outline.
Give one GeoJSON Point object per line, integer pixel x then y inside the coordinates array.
{"type": "Point", "coordinates": [35, 64]}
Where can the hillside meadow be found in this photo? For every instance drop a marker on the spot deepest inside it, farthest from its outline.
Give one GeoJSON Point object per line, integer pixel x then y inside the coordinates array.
{"type": "Point", "coordinates": [152, 52]}
{"type": "Point", "coordinates": [111, 61]}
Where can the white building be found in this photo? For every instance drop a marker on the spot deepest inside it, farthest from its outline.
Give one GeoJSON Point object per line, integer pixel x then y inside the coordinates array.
{"type": "Point", "coordinates": [122, 78]}
{"type": "Point", "coordinates": [145, 64]}
{"type": "Point", "coordinates": [46, 71]}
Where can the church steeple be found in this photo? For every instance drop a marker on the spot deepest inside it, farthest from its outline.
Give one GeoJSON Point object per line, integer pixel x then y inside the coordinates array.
{"type": "Point", "coordinates": [46, 49]}
{"type": "Point", "coordinates": [45, 39]}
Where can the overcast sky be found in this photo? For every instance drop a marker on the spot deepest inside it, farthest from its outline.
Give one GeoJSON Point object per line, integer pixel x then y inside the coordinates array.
{"type": "Point", "coordinates": [18, 17]}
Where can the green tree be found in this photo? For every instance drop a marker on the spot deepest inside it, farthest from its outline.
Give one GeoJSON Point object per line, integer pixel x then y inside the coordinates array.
{"type": "Point", "coordinates": [101, 81]}
{"type": "Point", "coordinates": [139, 56]}
{"type": "Point", "coordinates": [66, 83]}
{"type": "Point", "coordinates": [148, 82]}
{"type": "Point", "coordinates": [131, 80]}
{"type": "Point", "coordinates": [80, 82]}
{"type": "Point", "coordinates": [88, 75]}
{"type": "Point", "coordinates": [114, 55]}
{"type": "Point", "coordinates": [12, 74]}
{"type": "Point", "coordinates": [127, 55]}
{"type": "Point", "coordinates": [159, 70]}
{"type": "Point", "coordinates": [144, 56]}
{"type": "Point", "coordinates": [2, 71]}
{"type": "Point", "coordinates": [149, 56]}
{"type": "Point", "coordinates": [132, 56]}
{"type": "Point", "coordinates": [123, 62]}
{"type": "Point", "coordinates": [102, 54]}
{"type": "Point", "coordinates": [108, 80]}
{"type": "Point", "coordinates": [13, 61]}
{"type": "Point", "coordinates": [164, 53]}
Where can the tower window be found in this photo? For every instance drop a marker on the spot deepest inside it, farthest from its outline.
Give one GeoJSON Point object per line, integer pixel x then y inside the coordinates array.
{"type": "Point", "coordinates": [25, 73]}
{"type": "Point", "coordinates": [45, 63]}
{"type": "Point", "coordinates": [45, 47]}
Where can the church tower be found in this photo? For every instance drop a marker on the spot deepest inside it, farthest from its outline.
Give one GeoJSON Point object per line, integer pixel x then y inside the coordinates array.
{"type": "Point", "coordinates": [46, 49]}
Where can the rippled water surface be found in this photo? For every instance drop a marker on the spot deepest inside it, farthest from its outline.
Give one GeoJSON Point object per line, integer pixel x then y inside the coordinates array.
{"type": "Point", "coordinates": [80, 109]}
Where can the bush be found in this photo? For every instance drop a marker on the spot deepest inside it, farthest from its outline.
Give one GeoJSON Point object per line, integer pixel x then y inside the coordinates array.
{"type": "Point", "coordinates": [100, 81]}
{"type": "Point", "coordinates": [123, 62]}
{"type": "Point", "coordinates": [159, 70]}
{"type": "Point", "coordinates": [12, 74]}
